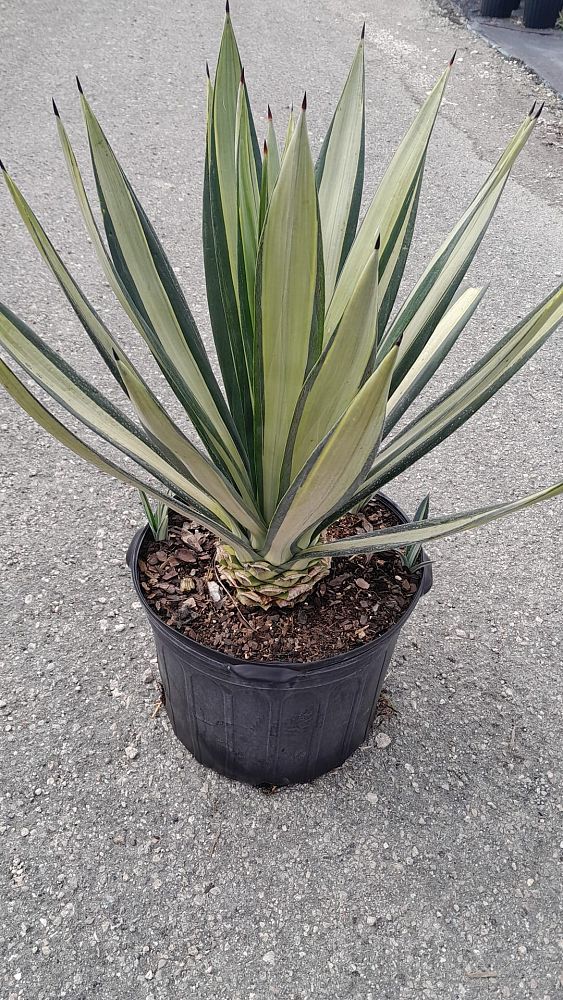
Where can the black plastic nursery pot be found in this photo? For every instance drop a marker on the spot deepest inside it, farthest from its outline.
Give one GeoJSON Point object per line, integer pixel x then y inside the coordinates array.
{"type": "Point", "coordinates": [496, 8]}
{"type": "Point", "coordinates": [269, 723]}
{"type": "Point", "coordinates": [541, 13]}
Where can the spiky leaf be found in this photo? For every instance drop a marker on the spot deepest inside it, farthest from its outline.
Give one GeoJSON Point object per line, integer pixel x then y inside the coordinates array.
{"type": "Point", "coordinates": [287, 306]}
{"type": "Point", "coordinates": [389, 204]}
{"type": "Point", "coordinates": [340, 173]}
{"type": "Point", "coordinates": [427, 531]}
{"type": "Point", "coordinates": [333, 472]}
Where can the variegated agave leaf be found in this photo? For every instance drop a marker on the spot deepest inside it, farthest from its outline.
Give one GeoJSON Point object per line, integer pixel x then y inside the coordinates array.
{"type": "Point", "coordinates": [300, 291]}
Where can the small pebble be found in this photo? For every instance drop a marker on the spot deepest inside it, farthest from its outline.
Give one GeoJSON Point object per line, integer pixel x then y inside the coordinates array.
{"type": "Point", "coordinates": [131, 752]}
{"type": "Point", "coordinates": [382, 740]}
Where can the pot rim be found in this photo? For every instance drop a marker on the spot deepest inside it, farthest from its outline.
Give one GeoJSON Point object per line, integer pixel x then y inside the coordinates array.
{"type": "Point", "coordinates": [299, 667]}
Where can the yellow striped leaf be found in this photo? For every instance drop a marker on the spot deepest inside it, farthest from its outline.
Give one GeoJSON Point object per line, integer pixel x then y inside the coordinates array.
{"type": "Point", "coordinates": [426, 531]}
{"type": "Point", "coordinates": [335, 469]}
{"type": "Point", "coordinates": [335, 379]}
{"type": "Point", "coordinates": [432, 294]}
{"type": "Point", "coordinates": [389, 202]}
{"type": "Point", "coordinates": [286, 302]}
{"type": "Point", "coordinates": [45, 419]}
{"type": "Point", "coordinates": [196, 466]}
{"type": "Point", "coordinates": [432, 354]}
{"type": "Point", "coordinates": [153, 287]}
{"type": "Point", "coordinates": [340, 173]}
{"type": "Point", "coordinates": [89, 406]}
{"type": "Point", "coordinates": [467, 396]}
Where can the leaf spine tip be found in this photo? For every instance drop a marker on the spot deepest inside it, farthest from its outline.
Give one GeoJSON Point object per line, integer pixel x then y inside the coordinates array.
{"type": "Point", "coordinates": [304, 102]}
{"type": "Point", "coordinates": [208, 74]}
{"type": "Point", "coordinates": [452, 60]}
{"type": "Point", "coordinates": [378, 242]}
{"type": "Point", "coordinates": [242, 76]}
{"type": "Point", "coordinates": [79, 85]}
{"type": "Point", "coordinates": [363, 34]}
{"type": "Point", "coordinates": [227, 8]}
{"type": "Point", "coordinates": [2, 167]}
{"type": "Point", "coordinates": [269, 113]}
{"type": "Point", "coordinates": [540, 109]}
{"type": "Point", "coordinates": [55, 108]}
{"type": "Point", "coordinates": [532, 109]}
{"type": "Point", "coordinates": [265, 148]}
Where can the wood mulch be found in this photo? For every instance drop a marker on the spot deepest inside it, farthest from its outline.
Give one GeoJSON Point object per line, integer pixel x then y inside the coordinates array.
{"type": "Point", "coordinates": [362, 597]}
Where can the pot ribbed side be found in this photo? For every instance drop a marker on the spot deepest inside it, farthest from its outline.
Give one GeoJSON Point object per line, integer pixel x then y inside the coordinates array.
{"type": "Point", "coordinates": [270, 723]}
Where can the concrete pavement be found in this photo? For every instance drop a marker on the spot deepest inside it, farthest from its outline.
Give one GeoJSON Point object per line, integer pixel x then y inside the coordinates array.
{"type": "Point", "coordinates": [540, 51]}
{"type": "Point", "coordinates": [429, 869]}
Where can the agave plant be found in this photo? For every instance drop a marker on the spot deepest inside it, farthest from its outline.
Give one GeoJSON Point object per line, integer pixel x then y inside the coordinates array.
{"type": "Point", "coordinates": [317, 366]}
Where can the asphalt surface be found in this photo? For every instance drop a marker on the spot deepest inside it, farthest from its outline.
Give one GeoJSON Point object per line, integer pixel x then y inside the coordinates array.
{"type": "Point", "coordinates": [427, 869]}
{"type": "Point", "coordinates": [540, 50]}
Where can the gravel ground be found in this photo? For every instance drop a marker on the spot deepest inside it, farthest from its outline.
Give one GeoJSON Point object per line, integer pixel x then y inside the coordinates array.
{"type": "Point", "coordinates": [427, 867]}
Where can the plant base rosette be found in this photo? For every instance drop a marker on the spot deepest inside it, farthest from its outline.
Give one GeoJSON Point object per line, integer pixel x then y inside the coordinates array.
{"type": "Point", "coordinates": [260, 584]}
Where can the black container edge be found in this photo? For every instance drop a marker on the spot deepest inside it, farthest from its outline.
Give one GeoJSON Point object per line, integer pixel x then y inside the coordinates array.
{"type": "Point", "coordinates": [541, 15]}
{"type": "Point", "coordinates": [264, 669]}
{"type": "Point", "coordinates": [271, 723]}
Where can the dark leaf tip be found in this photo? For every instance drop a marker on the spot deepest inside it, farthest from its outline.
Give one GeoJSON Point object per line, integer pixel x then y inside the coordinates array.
{"type": "Point", "coordinates": [540, 109]}
{"type": "Point", "coordinates": [208, 74]}
{"type": "Point", "coordinates": [269, 113]}
{"type": "Point", "coordinates": [79, 85]}
{"type": "Point", "coordinates": [378, 241]}
{"type": "Point", "coordinates": [55, 108]}
{"type": "Point", "coordinates": [2, 167]}
{"type": "Point", "coordinates": [452, 60]}
{"type": "Point", "coordinates": [265, 148]}
{"type": "Point", "coordinates": [304, 102]}
{"type": "Point", "coordinates": [363, 34]}
{"type": "Point", "coordinates": [242, 77]}
{"type": "Point", "coordinates": [532, 109]}
{"type": "Point", "coordinates": [227, 8]}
